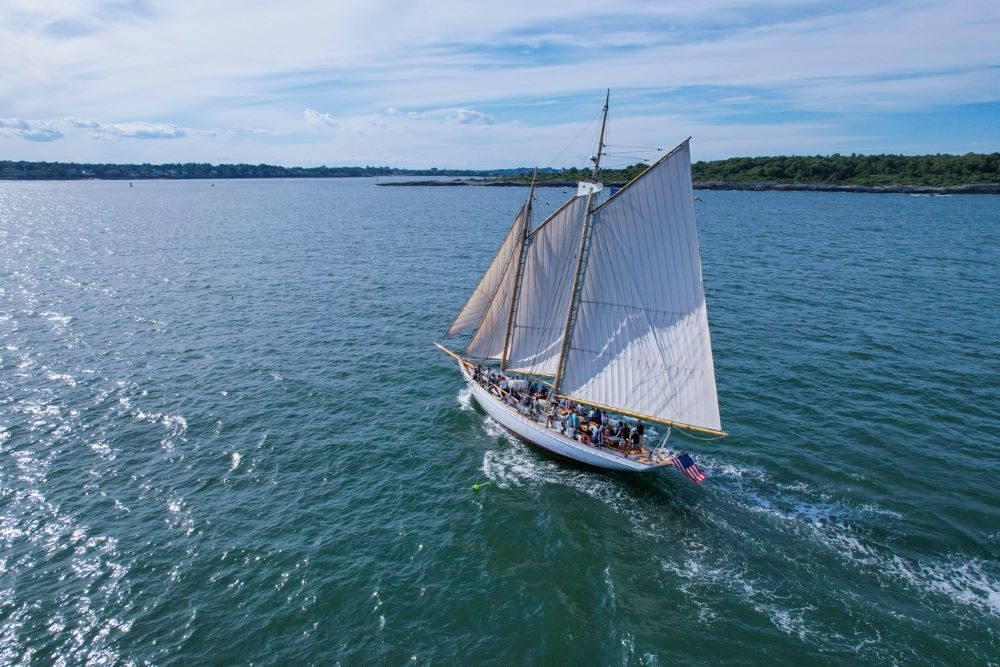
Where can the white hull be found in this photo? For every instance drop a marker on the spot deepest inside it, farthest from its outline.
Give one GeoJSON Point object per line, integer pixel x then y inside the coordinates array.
{"type": "Point", "coordinates": [537, 434]}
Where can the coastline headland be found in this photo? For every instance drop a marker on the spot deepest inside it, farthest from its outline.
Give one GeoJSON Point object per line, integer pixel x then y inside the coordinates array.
{"type": "Point", "coordinates": [761, 186]}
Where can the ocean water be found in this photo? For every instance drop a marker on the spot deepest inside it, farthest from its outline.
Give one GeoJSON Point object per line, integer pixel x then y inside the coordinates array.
{"type": "Point", "coordinates": [226, 437]}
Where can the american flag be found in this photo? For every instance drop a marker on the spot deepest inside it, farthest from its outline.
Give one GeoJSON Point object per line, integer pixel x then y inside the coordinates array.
{"type": "Point", "coordinates": [686, 465]}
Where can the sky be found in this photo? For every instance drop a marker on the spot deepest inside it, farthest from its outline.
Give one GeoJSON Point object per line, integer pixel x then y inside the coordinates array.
{"type": "Point", "coordinates": [489, 85]}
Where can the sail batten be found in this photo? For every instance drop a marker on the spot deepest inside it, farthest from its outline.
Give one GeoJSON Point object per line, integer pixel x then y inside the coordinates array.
{"type": "Point", "coordinates": [641, 342]}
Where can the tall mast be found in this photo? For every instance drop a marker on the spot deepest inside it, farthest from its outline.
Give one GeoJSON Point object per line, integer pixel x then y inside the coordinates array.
{"type": "Point", "coordinates": [520, 273]}
{"type": "Point", "coordinates": [600, 141]}
{"type": "Point", "coordinates": [581, 253]}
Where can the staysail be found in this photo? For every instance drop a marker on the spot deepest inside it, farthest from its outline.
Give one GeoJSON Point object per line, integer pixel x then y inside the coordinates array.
{"type": "Point", "coordinates": [475, 307]}
{"type": "Point", "coordinates": [488, 341]}
{"type": "Point", "coordinates": [641, 343]}
{"type": "Point", "coordinates": [540, 317]}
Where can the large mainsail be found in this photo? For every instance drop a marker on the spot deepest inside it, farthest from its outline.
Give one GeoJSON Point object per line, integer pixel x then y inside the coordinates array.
{"type": "Point", "coordinates": [549, 265]}
{"type": "Point", "coordinates": [640, 342]}
{"type": "Point", "coordinates": [475, 307]}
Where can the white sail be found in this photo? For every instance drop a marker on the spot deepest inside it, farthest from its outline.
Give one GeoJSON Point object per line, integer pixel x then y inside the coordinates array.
{"type": "Point", "coordinates": [488, 341]}
{"type": "Point", "coordinates": [473, 311]}
{"type": "Point", "coordinates": [546, 284]}
{"type": "Point", "coordinates": [640, 342]}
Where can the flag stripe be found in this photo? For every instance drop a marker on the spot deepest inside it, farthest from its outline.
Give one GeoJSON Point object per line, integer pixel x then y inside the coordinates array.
{"type": "Point", "coordinates": [686, 465]}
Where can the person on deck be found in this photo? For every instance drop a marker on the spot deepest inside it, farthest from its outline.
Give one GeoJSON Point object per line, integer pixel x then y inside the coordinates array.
{"type": "Point", "coordinates": [636, 438]}
{"type": "Point", "coordinates": [623, 434]}
{"type": "Point", "coordinates": [550, 414]}
{"type": "Point", "coordinates": [640, 432]}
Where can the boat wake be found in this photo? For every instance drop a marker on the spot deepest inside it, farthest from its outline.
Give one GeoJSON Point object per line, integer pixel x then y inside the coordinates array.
{"type": "Point", "coordinates": [741, 515]}
{"type": "Point", "coordinates": [465, 399]}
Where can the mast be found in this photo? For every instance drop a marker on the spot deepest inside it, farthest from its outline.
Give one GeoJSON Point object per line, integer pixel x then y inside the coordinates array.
{"type": "Point", "coordinates": [519, 275]}
{"type": "Point", "coordinates": [581, 255]}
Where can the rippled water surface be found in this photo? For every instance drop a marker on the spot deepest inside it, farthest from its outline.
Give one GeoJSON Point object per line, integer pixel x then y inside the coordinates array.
{"type": "Point", "coordinates": [225, 436]}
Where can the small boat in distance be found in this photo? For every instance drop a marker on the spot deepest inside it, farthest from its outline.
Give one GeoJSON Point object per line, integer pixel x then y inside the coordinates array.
{"type": "Point", "coordinates": [600, 309]}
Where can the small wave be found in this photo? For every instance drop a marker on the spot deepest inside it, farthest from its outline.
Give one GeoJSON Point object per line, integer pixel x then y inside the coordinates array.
{"type": "Point", "coordinates": [62, 377]}
{"type": "Point", "coordinates": [234, 460]}
{"type": "Point", "coordinates": [966, 582]}
{"type": "Point", "coordinates": [61, 319]}
{"type": "Point", "coordinates": [698, 575]}
{"type": "Point", "coordinates": [104, 450]}
{"type": "Point", "coordinates": [733, 470]}
{"type": "Point", "coordinates": [176, 422]}
{"type": "Point", "coordinates": [181, 517]}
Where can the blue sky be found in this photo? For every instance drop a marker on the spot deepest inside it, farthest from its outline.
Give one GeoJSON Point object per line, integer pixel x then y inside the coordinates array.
{"type": "Point", "coordinates": [463, 84]}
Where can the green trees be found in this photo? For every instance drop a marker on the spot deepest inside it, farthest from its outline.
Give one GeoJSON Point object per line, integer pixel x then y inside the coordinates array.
{"type": "Point", "coordinates": [937, 170]}
{"type": "Point", "coordinates": [836, 169]}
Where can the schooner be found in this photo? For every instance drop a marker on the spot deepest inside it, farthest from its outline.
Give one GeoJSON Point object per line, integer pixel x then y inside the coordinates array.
{"type": "Point", "coordinates": [603, 301]}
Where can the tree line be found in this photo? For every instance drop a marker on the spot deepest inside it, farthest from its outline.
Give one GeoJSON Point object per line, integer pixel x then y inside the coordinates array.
{"type": "Point", "coordinates": [11, 170]}
{"type": "Point", "coordinates": [933, 170]}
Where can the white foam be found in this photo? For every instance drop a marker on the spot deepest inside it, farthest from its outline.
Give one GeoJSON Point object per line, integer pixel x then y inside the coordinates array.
{"type": "Point", "coordinates": [61, 319]}
{"type": "Point", "coordinates": [175, 422]}
{"type": "Point", "coordinates": [465, 399]}
{"type": "Point", "coordinates": [766, 602]}
{"type": "Point", "coordinates": [62, 377]}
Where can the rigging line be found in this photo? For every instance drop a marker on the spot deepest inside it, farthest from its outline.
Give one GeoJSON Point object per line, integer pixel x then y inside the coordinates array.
{"type": "Point", "coordinates": [573, 140]}
{"type": "Point", "coordinates": [648, 148]}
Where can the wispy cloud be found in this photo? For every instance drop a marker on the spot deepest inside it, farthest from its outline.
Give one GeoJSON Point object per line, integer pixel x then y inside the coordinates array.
{"type": "Point", "coordinates": [368, 73]}
{"type": "Point", "coordinates": [135, 130]}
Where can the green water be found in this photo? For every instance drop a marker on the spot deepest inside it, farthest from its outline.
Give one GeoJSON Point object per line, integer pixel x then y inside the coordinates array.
{"type": "Point", "coordinates": [226, 437]}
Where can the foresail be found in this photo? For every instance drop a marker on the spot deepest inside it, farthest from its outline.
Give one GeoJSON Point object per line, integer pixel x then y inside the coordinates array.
{"type": "Point", "coordinates": [488, 341]}
{"type": "Point", "coordinates": [473, 311]}
{"type": "Point", "coordinates": [641, 341]}
{"type": "Point", "coordinates": [549, 268]}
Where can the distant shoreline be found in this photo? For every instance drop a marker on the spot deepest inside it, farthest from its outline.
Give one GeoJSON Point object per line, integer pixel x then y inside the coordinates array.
{"type": "Point", "coordinates": [764, 186]}
{"type": "Point", "coordinates": [972, 173]}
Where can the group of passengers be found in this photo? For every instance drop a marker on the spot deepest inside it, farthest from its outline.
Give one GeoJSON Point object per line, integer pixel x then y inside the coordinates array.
{"type": "Point", "coordinates": [588, 426]}
{"type": "Point", "coordinates": [595, 427]}
{"type": "Point", "coordinates": [528, 396]}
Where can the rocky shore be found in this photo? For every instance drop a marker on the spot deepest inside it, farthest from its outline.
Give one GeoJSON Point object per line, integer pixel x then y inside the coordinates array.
{"type": "Point", "coordinates": [970, 189]}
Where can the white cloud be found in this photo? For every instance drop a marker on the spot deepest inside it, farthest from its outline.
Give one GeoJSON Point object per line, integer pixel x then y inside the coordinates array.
{"type": "Point", "coordinates": [135, 130]}
{"type": "Point", "coordinates": [472, 117]}
{"type": "Point", "coordinates": [31, 130]}
{"type": "Point", "coordinates": [323, 121]}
